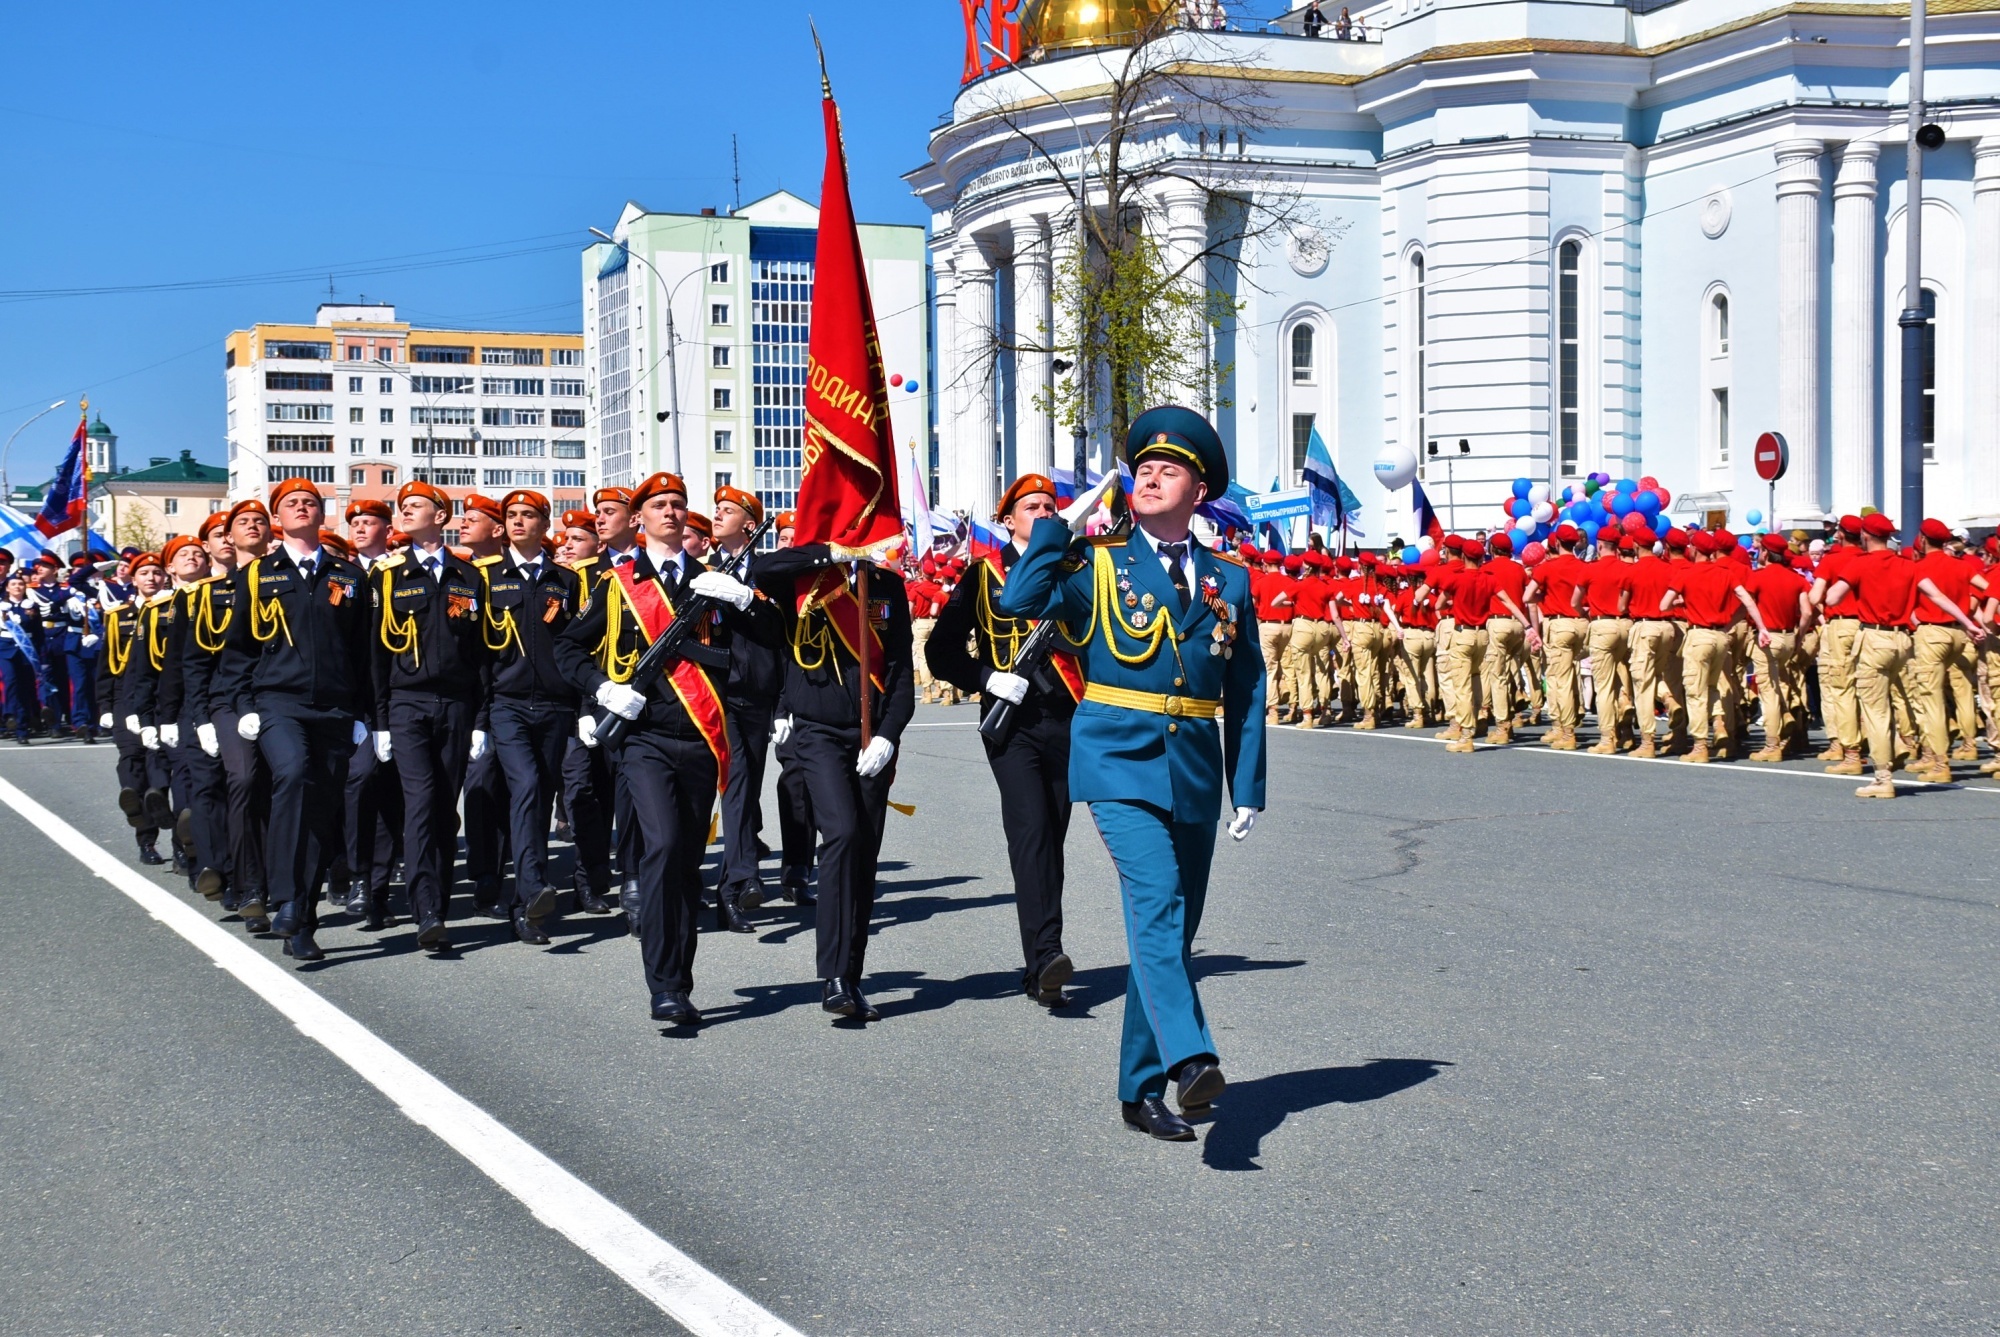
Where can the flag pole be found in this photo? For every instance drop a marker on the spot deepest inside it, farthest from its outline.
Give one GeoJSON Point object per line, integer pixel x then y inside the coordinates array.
{"type": "Point", "coordinates": [861, 655]}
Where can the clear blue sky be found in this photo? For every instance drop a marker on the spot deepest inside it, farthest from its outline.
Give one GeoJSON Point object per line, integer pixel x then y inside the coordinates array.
{"type": "Point", "coordinates": [156, 144]}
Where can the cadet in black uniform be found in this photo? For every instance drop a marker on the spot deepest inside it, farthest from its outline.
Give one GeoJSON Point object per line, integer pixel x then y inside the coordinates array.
{"type": "Point", "coordinates": [587, 784]}
{"type": "Point", "coordinates": [374, 799]}
{"type": "Point", "coordinates": [63, 615]}
{"type": "Point", "coordinates": [201, 832]}
{"type": "Point", "coordinates": [1032, 766]}
{"type": "Point", "coordinates": [20, 656]}
{"type": "Point", "coordinates": [245, 534]}
{"type": "Point", "coordinates": [849, 783]}
{"type": "Point", "coordinates": [482, 533]}
{"type": "Point", "coordinates": [125, 676]}
{"type": "Point", "coordinates": [797, 836]}
{"type": "Point", "coordinates": [671, 758]}
{"type": "Point", "coordinates": [756, 674]}
{"type": "Point", "coordinates": [294, 674]}
{"type": "Point", "coordinates": [429, 654]}
{"type": "Point", "coordinates": [529, 601]}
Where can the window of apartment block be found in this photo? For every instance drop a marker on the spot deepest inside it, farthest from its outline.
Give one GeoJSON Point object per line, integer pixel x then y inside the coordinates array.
{"type": "Point", "coordinates": [720, 398]}
{"type": "Point", "coordinates": [718, 313]}
{"type": "Point", "coordinates": [357, 445]}
{"type": "Point", "coordinates": [724, 441]}
{"type": "Point", "coordinates": [214, 506]}
{"type": "Point", "coordinates": [565, 417]}
{"type": "Point", "coordinates": [387, 446]}
{"type": "Point", "coordinates": [385, 385]}
{"type": "Point", "coordinates": [388, 415]}
{"type": "Point", "coordinates": [566, 357]}
{"type": "Point", "coordinates": [718, 356]}
{"type": "Point", "coordinates": [170, 506]}
{"type": "Point", "coordinates": [566, 478]}
{"type": "Point", "coordinates": [354, 385]}
{"type": "Point", "coordinates": [357, 478]}
{"type": "Point", "coordinates": [724, 480]}
{"type": "Point", "coordinates": [719, 272]}
{"type": "Point", "coordinates": [354, 415]}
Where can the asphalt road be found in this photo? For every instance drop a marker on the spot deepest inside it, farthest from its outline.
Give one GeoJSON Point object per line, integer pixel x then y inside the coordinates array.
{"type": "Point", "coordinates": [1518, 1042]}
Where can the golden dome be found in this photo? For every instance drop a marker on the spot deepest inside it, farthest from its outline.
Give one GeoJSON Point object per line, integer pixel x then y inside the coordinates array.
{"type": "Point", "coordinates": [1059, 25]}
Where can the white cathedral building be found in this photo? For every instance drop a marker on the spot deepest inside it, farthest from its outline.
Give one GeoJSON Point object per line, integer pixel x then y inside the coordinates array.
{"type": "Point", "coordinates": [1552, 238]}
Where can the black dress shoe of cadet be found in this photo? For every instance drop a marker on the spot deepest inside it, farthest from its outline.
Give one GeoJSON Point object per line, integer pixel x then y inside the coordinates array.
{"type": "Point", "coordinates": [301, 946]}
{"type": "Point", "coordinates": [863, 1009]}
{"type": "Point", "coordinates": [673, 1007]}
{"type": "Point", "coordinates": [589, 902]}
{"type": "Point", "coordinates": [133, 804]}
{"type": "Point", "coordinates": [834, 998]}
{"type": "Point", "coordinates": [209, 882]}
{"type": "Point", "coordinates": [357, 897]}
{"type": "Point", "coordinates": [751, 898]}
{"type": "Point", "coordinates": [251, 905]}
{"type": "Point", "coordinates": [430, 933]}
{"type": "Point", "coordinates": [486, 898]}
{"type": "Point", "coordinates": [1152, 1117]}
{"type": "Point", "coordinates": [1049, 981]}
{"type": "Point", "coordinates": [527, 929]}
{"type": "Point", "coordinates": [256, 925]}
{"type": "Point", "coordinates": [729, 916]}
{"type": "Point", "coordinates": [289, 919]}
{"type": "Point", "coordinates": [149, 853]}
{"type": "Point", "coordinates": [542, 903]}
{"type": "Point", "coordinates": [159, 809]}
{"type": "Point", "coordinates": [184, 829]}
{"type": "Point", "coordinates": [1199, 1083]}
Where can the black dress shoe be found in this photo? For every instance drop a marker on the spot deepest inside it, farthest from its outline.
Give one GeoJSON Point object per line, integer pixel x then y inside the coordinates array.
{"type": "Point", "coordinates": [542, 903]}
{"type": "Point", "coordinates": [728, 916]}
{"type": "Point", "coordinates": [834, 998]}
{"type": "Point", "coordinates": [751, 897]}
{"type": "Point", "coordinates": [184, 829]}
{"type": "Point", "coordinates": [289, 919]}
{"type": "Point", "coordinates": [251, 905]}
{"type": "Point", "coordinates": [149, 853]}
{"type": "Point", "coordinates": [159, 809]}
{"type": "Point", "coordinates": [183, 867]}
{"type": "Point", "coordinates": [256, 925]}
{"type": "Point", "coordinates": [302, 947]}
{"type": "Point", "coordinates": [209, 883]}
{"type": "Point", "coordinates": [863, 1009]}
{"type": "Point", "coordinates": [673, 1007]}
{"type": "Point", "coordinates": [1057, 971]}
{"type": "Point", "coordinates": [357, 897]}
{"type": "Point", "coordinates": [527, 929]}
{"type": "Point", "coordinates": [1152, 1117]}
{"type": "Point", "coordinates": [430, 933]}
{"type": "Point", "coordinates": [486, 898]}
{"type": "Point", "coordinates": [1197, 1086]}
{"type": "Point", "coordinates": [133, 804]}
{"type": "Point", "coordinates": [590, 903]}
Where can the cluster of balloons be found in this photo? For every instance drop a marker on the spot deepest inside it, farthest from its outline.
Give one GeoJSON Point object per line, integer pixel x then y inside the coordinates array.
{"type": "Point", "coordinates": [1535, 509]}
{"type": "Point", "coordinates": [897, 379]}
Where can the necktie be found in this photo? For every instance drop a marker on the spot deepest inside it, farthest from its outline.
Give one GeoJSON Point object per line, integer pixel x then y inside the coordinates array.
{"type": "Point", "coordinates": [531, 572]}
{"type": "Point", "coordinates": [622, 559]}
{"type": "Point", "coordinates": [1175, 553]}
{"type": "Point", "coordinates": [306, 570]}
{"type": "Point", "coordinates": [432, 566]}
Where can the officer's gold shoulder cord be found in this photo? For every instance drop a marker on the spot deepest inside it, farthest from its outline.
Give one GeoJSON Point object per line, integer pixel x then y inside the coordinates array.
{"type": "Point", "coordinates": [1110, 615]}
{"type": "Point", "coordinates": [209, 634]}
{"type": "Point", "coordinates": [267, 617]}
{"type": "Point", "coordinates": [1004, 634]}
{"type": "Point", "coordinates": [117, 648]}
{"type": "Point", "coordinates": [617, 665]}
{"type": "Point", "coordinates": [510, 634]}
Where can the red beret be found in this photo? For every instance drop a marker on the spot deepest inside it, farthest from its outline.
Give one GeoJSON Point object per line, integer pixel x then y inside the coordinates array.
{"type": "Point", "coordinates": [1877, 525]}
{"type": "Point", "coordinates": [534, 501]}
{"type": "Point", "coordinates": [1027, 485]}
{"type": "Point", "coordinates": [621, 495]}
{"type": "Point", "coordinates": [1453, 543]}
{"type": "Point", "coordinates": [1610, 534]}
{"type": "Point", "coordinates": [658, 485]}
{"type": "Point", "coordinates": [248, 506]}
{"type": "Point", "coordinates": [1702, 541]}
{"type": "Point", "coordinates": [1369, 559]}
{"type": "Point", "coordinates": [174, 546]}
{"type": "Point", "coordinates": [1294, 563]}
{"type": "Point", "coordinates": [1501, 544]}
{"type": "Point", "coordinates": [1626, 543]}
{"type": "Point", "coordinates": [1775, 543]}
{"type": "Point", "coordinates": [1937, 531]}
{"type": "Point", "coordinates": [430, 492]}
{"type": "Point", "coordinates": [786, 520]}
{"type": "Point", "coordinates": [1723, 538]}
{"type": "Point", "coordinates": [1677, 537]}
{"type": "Point", "coordinates": [1850, 524]}
{"type": "Point", "coordinates": [369, 506]}
{"type": "Point", "coordinates": [1644, 537]}
{"type": "Point", "coordinates": [216, 520]}
{"type": "Point", "coordinates": [1247, 551]}
{"type": "Point", "coordinates": [284, 487]}
{"type": "Point", "coordinates": [749, 502]}
{"type": "Point", "coordinates": [1567, 533]}
{"type": "Point", "coordinates": [146, 559]}
{"type": "Point", "coordinates": [484, 505]}
{"type": "Point", "coordinates": [701, 524]}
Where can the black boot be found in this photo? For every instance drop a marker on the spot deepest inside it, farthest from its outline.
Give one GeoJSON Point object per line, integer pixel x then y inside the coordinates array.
{"type": "Point", "coordinates": [149, 853]}
{"type": "Point", "coordinates": [729, 915]}
{"type": "Point", "coordinates": [357, 897]}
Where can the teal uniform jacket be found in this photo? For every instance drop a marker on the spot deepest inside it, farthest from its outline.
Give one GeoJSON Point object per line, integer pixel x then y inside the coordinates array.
{"type": "Point", "coordinates": [1117, 752]}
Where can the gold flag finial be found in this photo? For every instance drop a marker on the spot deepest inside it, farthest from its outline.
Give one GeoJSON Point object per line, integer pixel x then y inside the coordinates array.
{"type": "Point", "coordinates": [86, 404]}
{"type": "Point", "coordinates": [825, 85]}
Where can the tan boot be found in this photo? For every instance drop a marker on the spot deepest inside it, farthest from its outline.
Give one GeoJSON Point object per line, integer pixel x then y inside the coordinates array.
{"type": "Point", "coordinates": [1460, 745]}
{"type": "Point", "coordinates": [1848, 765]}
{"type": "Point", "coordinates": [1367, 721]}
{"type": "Point", "coordinates": [1835, 752]}
{"type": "Point", "coordinates": [1698, 754]}
{"type": "Point", "coordinates": [1965, 752]}
{"type": "Point", "coordinates": [1647, 748]}
{"type": "Point", "coordinates": [1766, 754]}
{"type": "Point", "coordinates": [1606, 746]}
{"type": "Point", "coordinates": [1883, 787]}
{"type": "Point", "coordinates": [1990, 767]}
{"type": "Point", "coordinates": [1451, 733]}
{"type": "Point", "coordinates": [1563, 742]}
{"type": "Point", "coordinates": [1502, 735]}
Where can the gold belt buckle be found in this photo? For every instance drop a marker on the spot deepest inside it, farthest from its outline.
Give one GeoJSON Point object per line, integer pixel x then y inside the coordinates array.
{"type": "Point", "coordinates": [1174, 705]}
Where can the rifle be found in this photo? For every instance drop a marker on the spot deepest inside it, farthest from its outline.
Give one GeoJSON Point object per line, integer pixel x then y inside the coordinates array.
{"type": "Point", "coordinates": [998, 726]}
{"type": "Point", "coordinates": [671, 646]}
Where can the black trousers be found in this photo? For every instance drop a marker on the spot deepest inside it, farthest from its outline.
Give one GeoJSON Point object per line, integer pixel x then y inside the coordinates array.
{"type": "Point", "coordinates": [307, 755]}
{"type": "Point", "coordinates": [586, 776]}
{"type": "Point", "coordinates": [486, 806]}
{"type": "Point", "coordinates": [672, 783]}
{"type": "Point", "coordinates": [626, 837]}
{"type": "Point", "coordinates": [796, 830]}
{"type": "Point", "coordinates": [248, 781]}
{"type": "Point", "coordinates": [530, 739]}
{"type": "Point", "coordinates": [17, 681]}
{"type": "Point", "coordinates": [849, 810]}
{"type": "Point", "coordinates": [200, 790]}
{"type": "Point", "coordinates": [374, 817]}
{"type": "Point", "coordinates": [743, 796]}
{"type": "Point", "coordinates": [139, 769]}
{"type": "Point", "coordinates": [1032, 770]}
{"type": "Point", "coordinates": [429, 738]}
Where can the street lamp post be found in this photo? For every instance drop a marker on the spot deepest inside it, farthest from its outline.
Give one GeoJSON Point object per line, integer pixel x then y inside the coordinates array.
{"type": "Point", "coordinates": [1085, 149]}
{"type": "Point", "coordinates": [6, 488]}
{"type": "Point", "coordinates": [1914, 322]}
{"type": "Point", "coordinates": [673, 367]}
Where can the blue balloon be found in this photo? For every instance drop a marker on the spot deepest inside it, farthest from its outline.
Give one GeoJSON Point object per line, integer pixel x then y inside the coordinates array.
{"type": "Point", "coordinates": [1542, 532]}
{"type": "Point", "coordinates": [1621, 504]}
{"type": "Point", "coordinates": [1568, 494]}
{"type": "Point", "coordinates": [1647, 504]}
{"type": "Point", "coordinates": [911, 386]}
{"type": "Point", "coordinates": [1745, 541]}
{"type": "Point", "coordinates": [1521, 486]}
{"type": "Point", "coordinates": [1627, 485]}
{"type": "Point", "coordinates": [1753, 518]}
{"type": "Point", "coordinates": [1411, 556]}
{"type": "Point", "coordinates": [1519, 507]}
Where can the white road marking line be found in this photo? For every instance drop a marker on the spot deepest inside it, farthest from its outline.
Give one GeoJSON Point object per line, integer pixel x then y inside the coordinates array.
{"type": "Point", "coordinates": [683, 1289]}
{"type": "Point", "coordinates": [948, 724]}
{"type": "Point", "coordinates": [1724, 768]}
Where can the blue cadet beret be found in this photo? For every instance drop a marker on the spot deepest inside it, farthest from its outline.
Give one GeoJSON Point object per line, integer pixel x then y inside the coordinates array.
{"type": "Point", "coordinates": [1184, 436]}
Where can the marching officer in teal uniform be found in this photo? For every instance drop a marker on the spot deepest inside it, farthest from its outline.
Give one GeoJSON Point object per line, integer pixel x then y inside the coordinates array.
{"type": "Point", "coordinates": [1172, 709]}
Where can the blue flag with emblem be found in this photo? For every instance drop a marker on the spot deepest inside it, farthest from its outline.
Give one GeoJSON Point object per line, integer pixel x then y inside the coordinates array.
{"type": "Point", "coordinates": [1333, 504]}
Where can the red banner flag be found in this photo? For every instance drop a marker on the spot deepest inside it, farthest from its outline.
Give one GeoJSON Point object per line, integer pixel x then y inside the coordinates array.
{"type": "Point", "coordinates": [847, 492]}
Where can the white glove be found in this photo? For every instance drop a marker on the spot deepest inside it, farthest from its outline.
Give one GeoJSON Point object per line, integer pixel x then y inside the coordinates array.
{"type": "Point", "coordinates": [621, 700]}
{"type": "Point", "coordinates": [781, 729]}
{"type": "Point", "coordinates": [1009, 687]}
{"type": "Point", "coordinates": [149, 738]}
{"type": "Point", "coordinates": [874, 757]}
{"type": "Point", "coordinates": [1078, 512]}
{"type": "Point", "coordinates": [360, 734]}
{"type": "Point", "coordinates": [131, 724]}
{"type": "Point", "coordinates": [90, 642]}
{"type": "Point", "coordinates": [478, 744]}
{"type": "Point", "coordinates": [170, 734]}
{"type": "Point", "coordinates": [1246, 818]}
{"type": "Point", "coordinates": [248, 727]}
{"type": "Point", "coordinates": [211, 742]}
{"type": "Point", "coordinates": [723, 586]}
{"type": "Point", "coordinates": [586, 729]}
{"type": "Point", "coordinates": [104, 720]}
{"type": "Point", "coordinates": [383, 748]}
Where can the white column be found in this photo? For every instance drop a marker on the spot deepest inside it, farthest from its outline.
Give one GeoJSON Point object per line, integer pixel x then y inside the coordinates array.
{"type": "Point", "coordinates": [1982, 428]}
{"type": "Point", "coordinates": [1034, 448]}
{"type": "Point", "coordinates": [976, 343]}
{"type": "Point", "coordinates": [1799, 191]}
{"type": "Point", "coordinates": [945, 373]}
{"type": "Point", "coordinates": [1183, 234]}
{"type": "Point", "coordinates": [1856, 272]}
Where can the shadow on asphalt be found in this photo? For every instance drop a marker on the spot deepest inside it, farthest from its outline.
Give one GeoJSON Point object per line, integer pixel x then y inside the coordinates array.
{"type": "Point", "coordinates": [1250, 1110]}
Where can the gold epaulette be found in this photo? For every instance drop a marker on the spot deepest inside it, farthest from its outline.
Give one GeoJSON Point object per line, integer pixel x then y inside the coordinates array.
{"type": "Point", "coordinates": [1106, 540]}
{"type": "Point", "coordinates": [462, 554]}
{"type": "Point", "coordinates": [487, 561]}
{"type": "Point", "coordinates": [390, 562]}
{"type": "Point", "coordinates": [1229, 557]}
{"type": "Point", "coordinates": [583, 564]}
{"type": "Point", "coordinates": [164, 596]}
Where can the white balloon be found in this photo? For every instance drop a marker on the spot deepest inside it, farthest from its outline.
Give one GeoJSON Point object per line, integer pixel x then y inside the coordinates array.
{"type": "Point", "coordinates": [1395, 467]}
{"type": "Point", "coordinates": [1526, 524]}
{"type": "Point", "coordinates": [1538, 493]}
{"type": "Point", "coordinates": [1543, 512]}
{"type": "Point", "coordinates": [1425, 543]}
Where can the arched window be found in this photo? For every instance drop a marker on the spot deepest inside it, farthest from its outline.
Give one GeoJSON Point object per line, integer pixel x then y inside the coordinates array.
{"type": "Point", "coordinates": [1930, 374]}
{"type": "Point", "coordinates": [1302, 355]}
{"type": "Point", "coordinates": [1420, 327]}
{"type": "Point", "coordinates": [1715, 380]}
{"type": "Point", "coordinates": [1569, 356]}
{"type": "Point", "coordinates": [1719, 330]}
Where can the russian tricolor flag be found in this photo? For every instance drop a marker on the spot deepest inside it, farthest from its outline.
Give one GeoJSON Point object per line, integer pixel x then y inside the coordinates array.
{"type": "Point", "coordinates": [67, 504]}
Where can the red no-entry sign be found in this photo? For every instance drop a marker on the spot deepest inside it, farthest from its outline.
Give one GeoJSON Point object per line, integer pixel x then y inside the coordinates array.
{"type": "Point", "coordinates": [1771, 456]}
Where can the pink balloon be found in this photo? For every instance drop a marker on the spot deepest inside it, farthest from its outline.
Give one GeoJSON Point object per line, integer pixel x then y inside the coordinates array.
{"type": "Point", "coordinates": [1666, 497]}
{"type": "Point", "coordinates": [1633, 522]}
{"type": "Point", "coordinates": [1430, 557]}
{"type": "Point", "coordinates": [1533, 553]}
{"type": "Point", "coordinates": [1648, 483]}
